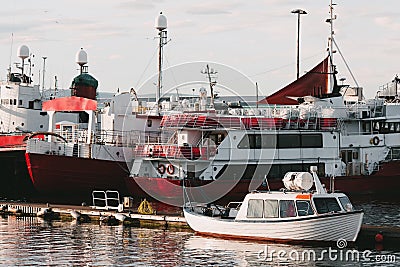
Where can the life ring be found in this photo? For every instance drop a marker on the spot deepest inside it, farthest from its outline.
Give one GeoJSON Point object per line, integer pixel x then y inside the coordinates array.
{"type": "Point", "coordinates": [161, 168]}
{"type": "Point", "coordinates": [170, 169]}
{"type": "Point", "coordinates": [375, 141]}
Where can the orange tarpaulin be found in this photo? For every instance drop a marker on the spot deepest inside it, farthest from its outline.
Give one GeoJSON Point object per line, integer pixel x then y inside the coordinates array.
{"type": "Point", "coordinates": [314, 83]}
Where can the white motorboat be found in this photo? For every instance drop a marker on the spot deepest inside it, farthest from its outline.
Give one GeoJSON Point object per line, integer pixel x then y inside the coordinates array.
{"type": "Point", "coordinates": [293, 214]}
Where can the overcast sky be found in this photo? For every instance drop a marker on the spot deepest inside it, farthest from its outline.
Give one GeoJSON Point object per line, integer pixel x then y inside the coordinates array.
{"type": "Point", "coordinates": [257, 38]}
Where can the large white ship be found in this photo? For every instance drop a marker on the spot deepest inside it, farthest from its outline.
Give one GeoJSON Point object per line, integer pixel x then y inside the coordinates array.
{"type": "Point", "coordinates": [352, 140]}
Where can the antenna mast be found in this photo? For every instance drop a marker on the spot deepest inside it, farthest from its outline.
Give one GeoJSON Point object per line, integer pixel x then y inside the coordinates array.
{"type": "Point", "coordinates": [331, 41]}
{"type": "Point", "coordinates": [44, 72]}
{"type": "Point", "coordinates": [211, 73]}
{"type": "Point", "coordinates": [332, 32]}
{"type": "Point", "coordinates": [161, 26]}
{"type": "Point", "coordinates": [11, 50]}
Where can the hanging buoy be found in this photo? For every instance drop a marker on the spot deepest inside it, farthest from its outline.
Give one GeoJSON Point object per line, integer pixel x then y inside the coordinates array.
{"type": "Point", "coordinates": [161, 168]}
{"type": "Point", "coordinates": [75, 214]}
{"type": "Point", "coordinates": [379, 238]}
{"type": "Point", "coordinates": [170, 169]}
{"type": "Point", "coordinates": [120, 217]}
{"type": "Point", "coordinates": [375, 141]}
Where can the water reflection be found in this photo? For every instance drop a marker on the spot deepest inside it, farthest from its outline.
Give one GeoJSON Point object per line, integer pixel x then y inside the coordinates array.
{"type": "Point", "coordinates": [34, 242]}
{"type": "Point", "coordinates": [383, 211]}
{"type": "Point", "coordinates": [205, 251]}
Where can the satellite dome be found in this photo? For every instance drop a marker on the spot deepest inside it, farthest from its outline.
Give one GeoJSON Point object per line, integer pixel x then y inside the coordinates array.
{"type": "Point", "coordinates": [81, 57]}
{"type": "Point", "coordinates": [23, 52]}
{"type": "Point", "coordinates": [161, 22]}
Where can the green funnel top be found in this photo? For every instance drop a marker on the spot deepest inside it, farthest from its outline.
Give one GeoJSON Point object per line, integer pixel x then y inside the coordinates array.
{"type": "Point", "coordinates": [85, 80]}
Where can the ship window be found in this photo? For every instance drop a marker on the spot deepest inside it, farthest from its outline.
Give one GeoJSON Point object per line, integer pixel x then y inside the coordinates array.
{"type": "Point", "coordinates": [304, 208]}
{"type": "Point", "coordinates": [20, 102]}
{"type": "Point", "coordinates": [346, 204]}
{"type": "Point", "coordinates": [149, 123]}
{"type": "Point", "coordinates": [268, 141]}
{"type": "Point", "coordinates": [255, 208]}
{"type": "Point", "coordinates": [271, 208]}
{"type": "Point", "coordinates": [244, 143]}
{"type": "Point", "coordinates": [325, 205]}
{"type": "Point", "coordinates": [311, 140]}
{"type": "Point", "coordinates": [258, 141]}
{"type": "Point", "coordinates": [288, 141]}
{"type": "Point", "coordinates": [10, 102]}
{"type": "Point", "coordinates": [391, 127]}
{"type": "Point", "coordinates": [287, 208]}
{"type": "Point", "coordinates": [15, 101]}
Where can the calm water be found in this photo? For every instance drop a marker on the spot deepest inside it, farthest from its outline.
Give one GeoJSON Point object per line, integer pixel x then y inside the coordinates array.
{"type": "Point", "coordinates": [33, 242]}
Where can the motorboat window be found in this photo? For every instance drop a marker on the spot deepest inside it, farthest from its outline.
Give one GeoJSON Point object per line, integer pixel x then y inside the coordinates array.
{"type": "Point", "coordinates": [255, 208]}
{"type": "Point", "coordinates": [304, 208]}
{"type": "Point", "coordinates": [326, 205]}
{"type": "Point", "coordinates": [271, 208]}
{"type": "Point", "coordinates": [287, 208]}
{"type": "Point", "coordinates": [346, 204]}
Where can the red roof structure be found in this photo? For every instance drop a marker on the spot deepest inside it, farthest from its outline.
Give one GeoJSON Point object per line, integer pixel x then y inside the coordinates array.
{"type": "Point", "coordinates": [314, 83]}
{"type": "Point", "coordinates": [70, 103]}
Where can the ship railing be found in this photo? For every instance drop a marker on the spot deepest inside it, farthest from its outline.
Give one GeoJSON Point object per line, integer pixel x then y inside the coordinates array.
{"type": "Point", "coordinates": [117, 138]}
{"type": "Point", "coordinates": [313, 121]}
{"type": "Point", "coordinates": [38, 146]}
{"type": "Point", "coordinates": [175, 151]}
{"type": "Point", "coordinates": [106, 137]}
{"type": "Point", "coordinates": [394, 154]}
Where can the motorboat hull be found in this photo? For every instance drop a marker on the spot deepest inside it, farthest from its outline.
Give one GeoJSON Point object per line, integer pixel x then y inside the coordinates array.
{"type": "Point", "coordinates": [326, 227]}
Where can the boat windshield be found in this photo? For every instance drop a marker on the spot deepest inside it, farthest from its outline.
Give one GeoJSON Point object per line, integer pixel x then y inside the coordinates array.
{"type": "Point", "coordinates": [326, 205]}
{"type": "Point", "coordinates": [255, 208]}
{"type": "Point", "coordinates": [271, 208]}
{"type": "Point", "coordinates": [346, 204]}
{"type": "Point", "coordinates": [287, 208]}
{"type": "Point", "coordinates": [304, 207]}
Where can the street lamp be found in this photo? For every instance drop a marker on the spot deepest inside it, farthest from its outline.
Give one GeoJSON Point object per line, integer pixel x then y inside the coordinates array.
{"type": "Point", "coordinates": [298, 12]}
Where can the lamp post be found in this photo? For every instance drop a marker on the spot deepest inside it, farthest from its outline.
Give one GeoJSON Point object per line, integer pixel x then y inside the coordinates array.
{"type": "Point", "coordinates": [298, 12]}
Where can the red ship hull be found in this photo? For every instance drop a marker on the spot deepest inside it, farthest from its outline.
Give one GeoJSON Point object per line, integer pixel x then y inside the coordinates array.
{"type": "Point", "coordinates": [62, 176]}
{"type": "Point", "coordinates": [14, 178]}
{"type": "Point", "coordinates": [386, 180]}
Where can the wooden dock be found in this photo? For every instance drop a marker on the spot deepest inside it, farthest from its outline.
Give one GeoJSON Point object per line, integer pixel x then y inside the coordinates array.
{"type": "Point", "coordinates": [92, 214]}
